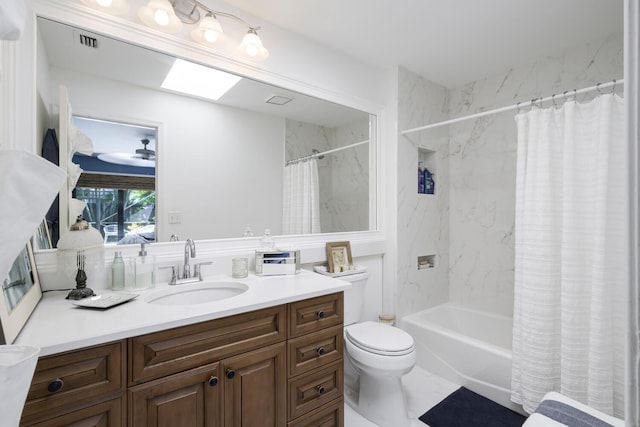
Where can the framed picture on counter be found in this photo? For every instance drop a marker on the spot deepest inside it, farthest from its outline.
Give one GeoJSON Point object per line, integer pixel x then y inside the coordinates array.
{"type": "Point", "coordinates": [21, 293]}
{"type": "Point", "coordinates": [338, 256]}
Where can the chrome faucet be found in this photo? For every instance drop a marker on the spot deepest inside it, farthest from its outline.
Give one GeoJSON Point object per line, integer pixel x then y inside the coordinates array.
{"type": "Point", "coordinates": [189, 251]}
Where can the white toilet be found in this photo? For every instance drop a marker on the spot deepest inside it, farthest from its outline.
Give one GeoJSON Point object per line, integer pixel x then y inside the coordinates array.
{"type": "Point", "coordinates": [376, 357]}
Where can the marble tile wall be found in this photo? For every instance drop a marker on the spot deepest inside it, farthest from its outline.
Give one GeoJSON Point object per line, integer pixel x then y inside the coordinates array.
{"type": "Point", "coordinates": [470, 226]}
{"type": "Point", "coordinates": [423, 220]}
{"type": "Point", "coordinates": [343, 176]}
{"type": "Point", "coordinates": [483, 167]}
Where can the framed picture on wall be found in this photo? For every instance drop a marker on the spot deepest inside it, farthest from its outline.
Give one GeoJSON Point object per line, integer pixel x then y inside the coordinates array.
{"type": "Point", "coordinates": [338, 256]}
{"type": "Point", "coordinates": [20, 294]}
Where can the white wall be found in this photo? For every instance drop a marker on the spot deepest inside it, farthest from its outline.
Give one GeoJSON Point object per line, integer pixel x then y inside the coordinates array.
{"type": "Point", "coordinates": [200, 147]}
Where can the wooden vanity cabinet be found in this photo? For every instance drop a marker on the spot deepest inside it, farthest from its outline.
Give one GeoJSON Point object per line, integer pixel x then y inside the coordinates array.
{"type": "Point", "coordinates": [223, 372]}
{"type": "Point", "coordinates": [235, 371]}
{"type": "Point", "coordinates": [315, 368]}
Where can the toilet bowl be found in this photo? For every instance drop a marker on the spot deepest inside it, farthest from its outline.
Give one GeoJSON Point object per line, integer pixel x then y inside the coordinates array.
{"type": "Point", "coordinates": [380, 354]}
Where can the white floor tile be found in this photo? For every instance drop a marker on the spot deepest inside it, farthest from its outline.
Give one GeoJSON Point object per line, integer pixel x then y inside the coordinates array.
{"type": "Point", "coordinates": [422, 389]}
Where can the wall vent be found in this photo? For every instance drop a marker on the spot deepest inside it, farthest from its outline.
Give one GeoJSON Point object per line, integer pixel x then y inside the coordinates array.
{"type": "Point", "coordinates": [88, 41]}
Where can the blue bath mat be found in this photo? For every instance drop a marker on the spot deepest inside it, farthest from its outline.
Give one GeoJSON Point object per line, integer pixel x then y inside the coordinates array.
{"type": "Point", "coordinates": [464, 408]}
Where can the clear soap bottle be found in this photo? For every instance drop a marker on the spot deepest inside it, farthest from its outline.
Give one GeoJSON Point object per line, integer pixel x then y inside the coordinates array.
{"type": "Point", "coordinates": [144, 269]}
{"type": "Point", "coordinates": [267, 242]}
{"type": "Point", "coordinates": [117, 272]}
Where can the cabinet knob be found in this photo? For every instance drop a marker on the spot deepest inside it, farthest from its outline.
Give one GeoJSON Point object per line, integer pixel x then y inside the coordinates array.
{"type": "Point", "coordinates": [230, 373]}
{"type": "Point", "coordinates": [320, 351]}
{"type": "Point", "coordinates": [55, 385]}
{"type": "Point", "coordinates": [213, 381]}
{"type": "Point", "coordinates": [320, 389]}
{"type": "Point", "coordinates": [321, 314]}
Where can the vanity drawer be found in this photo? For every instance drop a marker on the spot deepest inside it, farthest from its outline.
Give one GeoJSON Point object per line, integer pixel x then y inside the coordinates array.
{"type": "Point", "coordinates": [314, 389]}
{"type": "Point", "coordinates": [107, 414]}
{"type": "Point", "coordinates": [72, 380]}
{"type": "Point", "coordinates": [314, 314]}
{"type": "Point", "coordinates": [315, 350]}
{"type": "Point", "coordinates": [330, 415]}
{"type": "Point", "coordinates": [164, 353]}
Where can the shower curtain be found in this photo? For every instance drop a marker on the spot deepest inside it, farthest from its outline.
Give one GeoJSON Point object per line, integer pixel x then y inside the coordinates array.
{"type": "Point", "coordinates": [570, 254]}
{"type": "Point", "coordinates": [301, 202]}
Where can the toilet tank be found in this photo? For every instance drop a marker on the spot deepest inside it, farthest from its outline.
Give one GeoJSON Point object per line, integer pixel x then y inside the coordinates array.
{"type": "Point", "coordinates": [354, 297]}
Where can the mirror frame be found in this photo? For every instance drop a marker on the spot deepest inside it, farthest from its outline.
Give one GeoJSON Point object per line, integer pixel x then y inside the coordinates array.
{"type": "Point", "coordinates": [76, 14]}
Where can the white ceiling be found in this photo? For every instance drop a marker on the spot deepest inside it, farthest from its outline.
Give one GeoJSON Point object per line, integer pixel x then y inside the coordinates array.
{"type": "Point", "coordinates": [451, 42]}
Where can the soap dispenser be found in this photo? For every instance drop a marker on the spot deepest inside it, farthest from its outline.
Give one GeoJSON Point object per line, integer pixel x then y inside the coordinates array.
{"type": "Point", "coordinates": [117, 272]}
{"type": "Point", "coordinates": [144, 269]}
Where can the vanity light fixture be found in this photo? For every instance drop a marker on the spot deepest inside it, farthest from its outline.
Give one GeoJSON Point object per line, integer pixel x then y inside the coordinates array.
{"type": "Point", "coordinates": [169, 15]}
{"type": "Point", "coordinates": [114, 7]}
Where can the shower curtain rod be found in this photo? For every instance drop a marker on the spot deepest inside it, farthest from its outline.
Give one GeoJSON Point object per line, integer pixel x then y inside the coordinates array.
{"type": "Point", "coordinates": [311, 156]}
{"type": "Point", "coordinates": [565, 95]}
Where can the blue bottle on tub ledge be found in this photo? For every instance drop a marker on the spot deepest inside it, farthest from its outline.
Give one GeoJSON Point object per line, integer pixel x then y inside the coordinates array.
{"type": "Point", "coordinates": [429, 184]}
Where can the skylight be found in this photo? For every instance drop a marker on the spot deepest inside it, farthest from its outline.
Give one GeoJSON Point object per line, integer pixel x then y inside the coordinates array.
{"type": "Point", "coordinates": [198, 80]}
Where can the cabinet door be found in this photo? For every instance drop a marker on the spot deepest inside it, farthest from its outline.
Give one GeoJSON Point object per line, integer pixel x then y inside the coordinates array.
{"type": "Point", "coordinates": [191, 398]}
{"type": "Point", "coordinates": [255, 388]}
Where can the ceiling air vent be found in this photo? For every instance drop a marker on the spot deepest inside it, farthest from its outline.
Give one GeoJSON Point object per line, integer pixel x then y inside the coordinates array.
{"type": "Point", "coordinates": [88, 41]}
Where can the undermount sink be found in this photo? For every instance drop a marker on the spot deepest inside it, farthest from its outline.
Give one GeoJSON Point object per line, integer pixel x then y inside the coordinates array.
{"type": "Point", "coordinates": [197, 293]}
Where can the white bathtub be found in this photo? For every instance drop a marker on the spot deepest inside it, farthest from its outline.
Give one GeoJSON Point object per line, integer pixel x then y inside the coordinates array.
{"type": "Point", "coordinates": [468, 347]}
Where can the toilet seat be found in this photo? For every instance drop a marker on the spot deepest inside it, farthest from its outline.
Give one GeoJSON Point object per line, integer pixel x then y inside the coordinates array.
{"type": "Point", "coordinates": [379, 338]}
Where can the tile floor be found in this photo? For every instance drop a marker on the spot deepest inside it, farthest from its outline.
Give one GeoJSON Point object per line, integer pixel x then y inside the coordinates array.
{"type": "Point", "coordinates": [422, 389]}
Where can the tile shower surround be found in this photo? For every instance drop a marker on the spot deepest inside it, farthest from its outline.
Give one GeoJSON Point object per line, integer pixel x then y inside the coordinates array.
{"type": "Point", "coordinates": [469, 223]}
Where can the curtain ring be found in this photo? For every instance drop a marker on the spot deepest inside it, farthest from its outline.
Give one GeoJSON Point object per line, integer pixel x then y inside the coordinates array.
{"type": "Point", "coordinates": [553, 100]}
{"type": "Point", "coordinates": [613, 88]}
{"type": "Point", "coordinates": [518, 107]}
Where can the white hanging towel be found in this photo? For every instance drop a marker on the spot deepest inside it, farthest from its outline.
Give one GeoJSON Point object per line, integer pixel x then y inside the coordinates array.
{"type": "Point", "coordinates": [13, 14]}
{"type": "Point", "coordinates": [28, 185]}
{"type": "Point", "coordinates": [301, 201]}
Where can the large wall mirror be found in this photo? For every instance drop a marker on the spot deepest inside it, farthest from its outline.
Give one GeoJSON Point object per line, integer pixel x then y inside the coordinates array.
{"type": "Point", "coordinates": [214, 167]}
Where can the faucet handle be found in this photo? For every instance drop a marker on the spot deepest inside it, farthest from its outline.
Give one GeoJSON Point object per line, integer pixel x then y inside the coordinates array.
{"type": "Point", "coordinates": [174, 274]}
{"type": "Point", "coordinates": [197, 270]}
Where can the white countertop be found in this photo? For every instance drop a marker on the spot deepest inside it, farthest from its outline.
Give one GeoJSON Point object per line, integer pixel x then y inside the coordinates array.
{"type": "Point", "coordinates": [56, 325]}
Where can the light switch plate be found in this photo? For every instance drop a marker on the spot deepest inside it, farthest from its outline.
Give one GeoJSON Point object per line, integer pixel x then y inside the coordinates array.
{"type": "Point", "coordinates": [175, 217]}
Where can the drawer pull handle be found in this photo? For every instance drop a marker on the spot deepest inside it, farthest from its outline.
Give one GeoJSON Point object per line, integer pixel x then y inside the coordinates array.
{"type": "Point", "coordinates": [55, 385]}
{"type": "Point", "coordinates": [320, 351]}
{"type": "Point", "coordinates": [320, 389]}
{"type": "Point", "coordinates": [213, 381]}
{"type": "Point", "coordinates": [321, 314]}
{"type": "Point", "coordinates": [230, 374]}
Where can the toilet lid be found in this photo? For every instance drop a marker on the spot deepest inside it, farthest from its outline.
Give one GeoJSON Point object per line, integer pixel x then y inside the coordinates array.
{"type": "Point", "coordinates": [379, 338]}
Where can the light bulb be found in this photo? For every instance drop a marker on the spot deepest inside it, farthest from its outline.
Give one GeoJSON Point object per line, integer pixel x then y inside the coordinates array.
{"type": "Point", "coordinates": [209, 30]}
{"type": "Point", "coordinates": [104, 3]}
{"type": "Point", "coordinates": [161, 17]}
{"type": "Point", "coordinates": [251, 43]}
{"type": "Point", "coordinates": [210, 36]}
